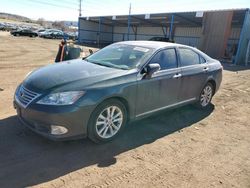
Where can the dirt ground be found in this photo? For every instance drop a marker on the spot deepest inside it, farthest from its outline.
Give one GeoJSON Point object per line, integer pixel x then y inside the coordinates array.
{"type": "Point", "coordinates": [185, 147]}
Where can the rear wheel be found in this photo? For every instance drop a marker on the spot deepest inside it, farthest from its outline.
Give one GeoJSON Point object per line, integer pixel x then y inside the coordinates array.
{"type": "Point", "coordinates": [206, 96]}
{"type": "Point", "coordinates": [107, 121]}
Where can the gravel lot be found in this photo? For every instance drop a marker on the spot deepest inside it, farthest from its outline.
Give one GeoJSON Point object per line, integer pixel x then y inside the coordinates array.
{"type": "Point", "coordinates": [185, 147]}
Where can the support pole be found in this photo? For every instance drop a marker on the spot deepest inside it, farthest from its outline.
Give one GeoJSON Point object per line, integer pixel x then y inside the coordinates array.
{"type": "Point", "coordinates": [112, 33]}
{"type": "Point", "coordinates": [99, 32]}
{"type": "Point", "coordinates": [171, 27]}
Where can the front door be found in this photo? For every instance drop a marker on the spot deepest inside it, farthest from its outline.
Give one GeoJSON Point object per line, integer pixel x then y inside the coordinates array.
{"type": "Point", "coordinates": [161, 90]}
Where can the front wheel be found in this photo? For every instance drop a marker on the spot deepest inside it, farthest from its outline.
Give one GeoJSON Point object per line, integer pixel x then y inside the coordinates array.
{"type": "Point", "coordinates": [206, 96]}
{"type": "Point", "coordinates": [107, 121]}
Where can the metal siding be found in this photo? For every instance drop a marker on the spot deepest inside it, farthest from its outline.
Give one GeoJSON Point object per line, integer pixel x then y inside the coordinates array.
{"type": "Point", "coordinates": [150, 31]}
{"type": "Point", "coordinates": [188, 35]}
{"type": "Point", "coordinates": [188, 31]}
{"type": "Point", "coordinates": [143, 33]}
{"type": "Point", "coordinates": [89, 32]}
{"type": "Point", "coordinates": [216, 31]}
{"type": "Point", "coordinates": [243, 41]}
{"type": "Point", "coordinates": [235, 33]}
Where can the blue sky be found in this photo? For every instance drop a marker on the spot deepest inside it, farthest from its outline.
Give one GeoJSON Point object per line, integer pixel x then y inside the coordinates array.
{"type": "Point", "coordinates": [68, 9]}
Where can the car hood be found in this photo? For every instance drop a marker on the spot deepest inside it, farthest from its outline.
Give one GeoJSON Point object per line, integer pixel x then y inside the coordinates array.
{"type": "Point", "coordinates": [67, 73]}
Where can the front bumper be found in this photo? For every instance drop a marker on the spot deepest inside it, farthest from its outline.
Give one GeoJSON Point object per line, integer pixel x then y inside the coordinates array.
{"type": "Point", "coordinates": [39, 120]}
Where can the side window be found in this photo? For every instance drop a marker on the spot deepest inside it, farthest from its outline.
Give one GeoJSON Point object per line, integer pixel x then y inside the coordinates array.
{"type": "Point", "coordinates": [202, 59]}
{"type": "Point", "coordinates": [188, 57]}
{"type": "Point", "coordinates": [166, 59]}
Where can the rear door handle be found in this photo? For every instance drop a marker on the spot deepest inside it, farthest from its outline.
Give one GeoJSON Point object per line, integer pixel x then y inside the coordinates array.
{"type": "Point", "coordinates": [178, 75]}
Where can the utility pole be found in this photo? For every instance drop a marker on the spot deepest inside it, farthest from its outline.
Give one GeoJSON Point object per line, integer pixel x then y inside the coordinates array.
{"type": "Point", "coordinates": [129, 21]}
{"type": "Point", "coordinates": [80, 8]}
{"type": "Point", "coordinates": [80, 14]}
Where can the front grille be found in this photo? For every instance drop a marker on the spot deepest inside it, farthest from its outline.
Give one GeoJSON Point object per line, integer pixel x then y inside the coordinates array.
{"type": "Point", "coordinates": [26, 96]}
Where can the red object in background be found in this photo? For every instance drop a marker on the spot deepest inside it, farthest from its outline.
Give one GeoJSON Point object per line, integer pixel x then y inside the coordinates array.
{"type": "Point", "coordinates": [61, 51]}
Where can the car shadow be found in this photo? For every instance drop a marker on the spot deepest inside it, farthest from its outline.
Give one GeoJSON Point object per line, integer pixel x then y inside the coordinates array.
{"type": "Point", "coordinates": [27, 159]}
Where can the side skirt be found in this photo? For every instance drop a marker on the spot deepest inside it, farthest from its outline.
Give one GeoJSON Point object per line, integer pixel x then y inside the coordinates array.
{"type": "Point", "coordinates": [166, 107]}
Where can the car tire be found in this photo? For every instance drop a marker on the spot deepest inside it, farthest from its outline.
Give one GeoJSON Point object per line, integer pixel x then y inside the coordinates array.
{"type": "Point", "coordinates": [107, 121]}
{"type": "Point", "coordinates": [206, 96]}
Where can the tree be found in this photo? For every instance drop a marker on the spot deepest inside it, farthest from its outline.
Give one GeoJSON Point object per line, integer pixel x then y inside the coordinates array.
{"type": "Point", "coordinates": [59, 25]}
{"type": "Point", "coordinates": [41, 21]}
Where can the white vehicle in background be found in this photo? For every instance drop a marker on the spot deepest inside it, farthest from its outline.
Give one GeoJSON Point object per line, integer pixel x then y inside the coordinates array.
{"type": "Point", "coordinates": [40, 31]}
{"type": "Point", "coordinates": [45, 32]}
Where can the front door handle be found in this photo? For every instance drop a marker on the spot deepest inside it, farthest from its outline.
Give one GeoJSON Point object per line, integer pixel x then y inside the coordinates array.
{"type": "Point", "coordinates": [178, 75]}
{"type": "Point", "coordinates": [205, 69]}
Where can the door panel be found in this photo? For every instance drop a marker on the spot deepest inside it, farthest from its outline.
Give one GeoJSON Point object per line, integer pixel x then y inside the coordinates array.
{"type": "Point", "coordinates": [194, 72]}
{"type": "Point", "coordinates": [147, 95]}
{"type": "Point", "coordinates": [193, 79]}
{"type": "Point", "coordinates": [169, 86]}
{"type": "Point", "coordinates": [163, 87]}
{"type": "Point", "coordinates": [159, 91]}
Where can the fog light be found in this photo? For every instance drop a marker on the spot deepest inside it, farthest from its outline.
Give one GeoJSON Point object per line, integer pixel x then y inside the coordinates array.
{"type": "Point", "coordinates": [58, 130]}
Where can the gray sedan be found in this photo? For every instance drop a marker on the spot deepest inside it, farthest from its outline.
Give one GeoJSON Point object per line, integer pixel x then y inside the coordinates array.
{"type": "Point", "coordinates": [97, 96]}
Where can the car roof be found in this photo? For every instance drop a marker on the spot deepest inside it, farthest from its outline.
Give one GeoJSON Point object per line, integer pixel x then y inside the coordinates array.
{"type": "Point", "coordinates": [151, 44]}
{"type": "Point", "coordinates": [157, 45]}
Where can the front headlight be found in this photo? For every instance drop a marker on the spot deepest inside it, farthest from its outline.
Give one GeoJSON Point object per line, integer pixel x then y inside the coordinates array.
{"type": "Point", "coordinates": [63, 98]}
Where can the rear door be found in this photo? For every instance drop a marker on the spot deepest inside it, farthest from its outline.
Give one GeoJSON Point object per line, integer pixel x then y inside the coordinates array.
{"type": "Point", "coordinates": [194, 70]}
{"type": "Point", "coordinates": [162, 88]}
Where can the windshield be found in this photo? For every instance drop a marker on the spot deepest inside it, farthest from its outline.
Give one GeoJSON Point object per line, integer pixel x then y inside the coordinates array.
{"type": "Point", "coordinates": [121, 56]}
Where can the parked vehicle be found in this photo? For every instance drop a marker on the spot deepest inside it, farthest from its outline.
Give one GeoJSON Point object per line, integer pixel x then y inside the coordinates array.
{"type": "Point", "coordinates": [8, 27]}
{"type": "Point", "coordinates": [44, 31]}
{"type": "Point", "coordinates": [71, 35]}
{"type": "Point", "coordinates": [2, 26]}
{"type": "Point", "coordinates": [24, 32]}
{"type": "Point", "coordinates": [40, 31]}
{"type": "Point", "coordinates": [97, 96]}
{"type": "Point", "coordinates": [54, 34]}
{"type": "Point", "coordinates": [162, 39]}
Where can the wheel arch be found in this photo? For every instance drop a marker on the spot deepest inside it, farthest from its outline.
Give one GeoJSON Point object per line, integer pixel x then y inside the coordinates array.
{"type": "Point", "coordinates": [211, 81]}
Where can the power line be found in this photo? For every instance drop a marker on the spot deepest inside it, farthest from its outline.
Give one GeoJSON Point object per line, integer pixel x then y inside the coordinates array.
{"type": "Point", "coordinates": [51, 4]}
{"type": "Point", "coordinates": [66, 2]}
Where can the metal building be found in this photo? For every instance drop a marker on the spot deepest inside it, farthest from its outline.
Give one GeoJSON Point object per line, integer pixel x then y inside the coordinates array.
{"type": "Point", "coordinates": [221, 34]}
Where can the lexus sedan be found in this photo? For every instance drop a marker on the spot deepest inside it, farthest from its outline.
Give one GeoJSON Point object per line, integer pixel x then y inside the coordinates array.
{"type": "Point", "coordinates": [97, 96]}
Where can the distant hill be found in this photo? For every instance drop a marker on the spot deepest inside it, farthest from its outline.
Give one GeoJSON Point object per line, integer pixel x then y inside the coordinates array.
{"type": "Point", "coordinates": [15, 17]}
{"type": "Point", "coordinates": [63, 25]}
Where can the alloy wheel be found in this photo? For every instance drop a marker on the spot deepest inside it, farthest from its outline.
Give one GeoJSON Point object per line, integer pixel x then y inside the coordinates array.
{"type": "Point", "coordinates": [206, 96]}
{"type": "Point", "coordinates": [109, 122]}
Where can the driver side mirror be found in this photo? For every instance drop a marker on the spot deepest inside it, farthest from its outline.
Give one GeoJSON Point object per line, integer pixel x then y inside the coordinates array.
{"type": "Point", "coordinates": [150, 69]}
